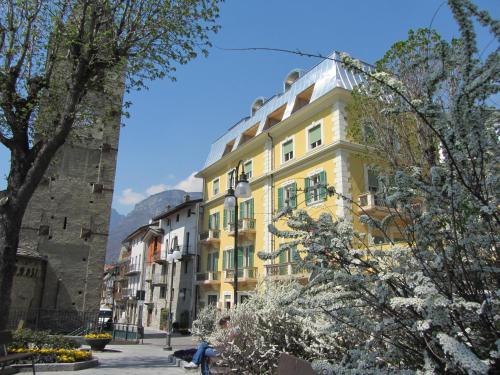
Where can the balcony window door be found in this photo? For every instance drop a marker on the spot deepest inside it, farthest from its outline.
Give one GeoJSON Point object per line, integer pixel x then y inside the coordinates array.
{"type": "Point", "coordinates": [246, 209]}
{"type": "Point", "coordinates": [213, 221]}
{"type": "Point", "coordinates": [287, 196]}
{"type": "Point", "coordinates": [315, 187]}
{"type": "Point", "coordinates": [212, 262]}
{"type": "Point", "coordinates": [229, 218]}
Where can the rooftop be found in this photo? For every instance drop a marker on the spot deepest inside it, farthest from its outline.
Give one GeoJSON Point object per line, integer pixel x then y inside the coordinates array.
{"type": "Point", "coordinates": [322, 78]}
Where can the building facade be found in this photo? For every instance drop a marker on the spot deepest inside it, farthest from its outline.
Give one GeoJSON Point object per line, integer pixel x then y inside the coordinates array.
{"type": "Point", "coordinates": [153, 283]}
{"type": "Point", "coordinates": [292, 147]}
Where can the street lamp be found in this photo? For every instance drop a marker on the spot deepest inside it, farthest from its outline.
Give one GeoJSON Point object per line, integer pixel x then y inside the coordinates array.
{"type": "Point", "coordinates": [241, 190]}
{"type": "Point", "coordinates": [172, 257]}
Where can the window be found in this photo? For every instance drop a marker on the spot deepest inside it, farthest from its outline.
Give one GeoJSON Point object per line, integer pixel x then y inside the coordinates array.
{"type": "Point", "coordinates": [186, 241]}
{"type": "Point", "coordinates": [212, 300]}
{"type": "Point", "coordinates": [373, 184]}
{"type": "Point", "coordinates": [185, 266]}
{"type": "Point", "coordinates": [287, 150]}
{"type": "Point", "coordinates": [314, 136]}
{"type": "Point", "coordinates": [229, 217]}
{"type": "Point", "coordinates": [212, 262]}
{"type": "Point", "coordinates": [247, 168]}
{"type": "Point", "coordinates": [287, 196]}
{"type": "Point", "coordinates": [215, 186]}
{"type": "Point", "coordinates": [245, 258]}
{"type": "Point", "coordinates": [177, 218]}
{"type": "Point", "coordinates": [315, 187]}
{"type": "Point", "coordinates": [163, 293]}
{"type": "Point", "coordinates": [214, 221]}
{"type": "Point", "coordinates": [184, 292]}
{"type": "Point", "coordinates": [246, 209]}
{"type": "Point", "coordinates": [189, 212]}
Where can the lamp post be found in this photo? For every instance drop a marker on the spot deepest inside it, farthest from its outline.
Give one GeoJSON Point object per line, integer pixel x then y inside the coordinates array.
{"type": "Point", "coordinates": [172, 257]}
{"type": "Point", "coordinates": [241, 190]}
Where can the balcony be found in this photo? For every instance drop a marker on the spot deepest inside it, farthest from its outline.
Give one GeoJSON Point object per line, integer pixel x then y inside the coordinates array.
{"type": "Point", "coordinates": [210, 236]}
{"type": "Point", "coordinates": [284, 270]}
{"type": "Point", "coordinates": [375, 203]}
{"type": "Point", "coordinates": [246, 226]}
{"type": "Point", "coordinates": [161, 279]}
{"type": "Point", "coordinates": [246, 274]}
{"type": "Point", "coordinates": [160, 257]}
{"type": "Point", "coordinates": [128, 293]}
{"type": "Point", "coordinates": [149, 275]}
{"type": "Point", "coordinates": [133, 269]}
{"type": "Point", "coordinates": [210, 277]}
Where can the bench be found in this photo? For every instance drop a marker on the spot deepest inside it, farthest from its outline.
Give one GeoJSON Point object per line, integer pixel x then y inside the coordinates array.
{"type": "Point", "coordinates": [6, 358]}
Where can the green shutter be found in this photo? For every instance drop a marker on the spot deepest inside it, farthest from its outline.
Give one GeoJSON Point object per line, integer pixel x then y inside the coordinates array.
{"type": "Point", "coordinates": [314, 134]}
{"type": "Point", "coordinates": [293, 254]}
{"type": "Point", "coordinates": [250, 214]}
{"type": "Point", "coordinates": [322, 190]}
{"type": "Point", "coordinates": [307, 185]}
{"type": "Point", "coordinates": [242, 210]}
{"type": "Point", "coordinates": [250, 253]}
{"type": "Point", "coordinates": [209, 262]}
{"type": "Point", "coordinates": [280, 198]}
{"type": "Point", "coordinates": [217, 220]}
{"type": "Point", "coordinates": [240, 258]}
{"type": "Point", "coordinates": [293, 195]}
{"type": "Point", "coordinates": [225, 218]}
{"type": "Point", "coordinates": [231, 259]}
{"type": "Point", "coordinates": [210, 222]}
{"type": "Point", "coordinates": [247, 167]}
{"type": "Point", "coordinates": [233, 215]}
{"type": "Point", "coordinates": [224, 260]}
{"type": "Point", "coordinates": [282, 257]}
{"type": "Point", "coordinates": [215, 266]}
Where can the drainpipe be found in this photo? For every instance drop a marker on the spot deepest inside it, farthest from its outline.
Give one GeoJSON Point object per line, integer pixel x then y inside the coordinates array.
{"type": "Point", "coordinates": [271, 176]}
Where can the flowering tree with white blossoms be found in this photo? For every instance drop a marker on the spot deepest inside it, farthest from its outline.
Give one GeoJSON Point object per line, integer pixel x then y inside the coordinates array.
{"type": "Point", "coordinates": [430, 302]}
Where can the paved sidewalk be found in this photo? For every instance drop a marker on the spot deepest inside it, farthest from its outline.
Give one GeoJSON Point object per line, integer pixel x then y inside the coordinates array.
{"type": "Point", "coordinates": [141, 359]}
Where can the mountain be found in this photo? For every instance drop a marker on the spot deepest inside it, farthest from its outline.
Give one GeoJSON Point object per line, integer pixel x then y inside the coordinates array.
{"type": "Point", "coordinates": [121, 226]}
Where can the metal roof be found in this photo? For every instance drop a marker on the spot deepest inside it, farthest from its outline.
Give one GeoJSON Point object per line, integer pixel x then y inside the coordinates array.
{"type": "Point", "coordinates": [325, 76]}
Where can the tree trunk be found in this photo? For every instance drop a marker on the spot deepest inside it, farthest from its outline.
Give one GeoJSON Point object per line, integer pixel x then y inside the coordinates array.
{"type": "Point", "coordinates": [10, 227]}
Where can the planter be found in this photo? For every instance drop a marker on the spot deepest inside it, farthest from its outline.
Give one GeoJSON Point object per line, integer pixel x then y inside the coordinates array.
{"type": "Point", "coordinates": [97, 344]}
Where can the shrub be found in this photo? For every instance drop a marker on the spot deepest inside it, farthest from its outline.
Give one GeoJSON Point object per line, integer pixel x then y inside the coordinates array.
{"type": "Point", "coordinates": [98, 336]}
{"type": "Point", "coordinates": [26, 338]}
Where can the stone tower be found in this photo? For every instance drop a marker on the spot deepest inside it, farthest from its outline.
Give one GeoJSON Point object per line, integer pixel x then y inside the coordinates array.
{"type": "Point", "coordinates": [68, 217]}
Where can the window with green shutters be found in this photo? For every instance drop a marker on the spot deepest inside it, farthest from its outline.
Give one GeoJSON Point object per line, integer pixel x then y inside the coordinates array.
{"type": "Point", "coordinates": [249, 255]}
{"type": "Point", "coordinates": [228, 217]}
{"type": "Point", "coordinates": [212, 262]}
{"type": "Point", "coordinates": [315, 187]}
{"type": "Point", "coordinates": [247, 168]}
{"type": "Point", "coordinates": [287, 150]}
{"type": "Point", "coordinates": [287, 195]}
{"type": "Point", "coordinates": [373, 184]}
{"type": "Point", "coordinates": [246, 209]}
{"type": "Point", "coordinates": [314, 136]}
{"type": "Point", "coordinates": [213, 221]}
{"type": "Point", "coordinates": [228, 259]}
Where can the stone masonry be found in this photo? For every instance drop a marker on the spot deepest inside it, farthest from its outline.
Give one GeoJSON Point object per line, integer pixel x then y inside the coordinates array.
{"type": "Point", "coordinates": [68, 217]}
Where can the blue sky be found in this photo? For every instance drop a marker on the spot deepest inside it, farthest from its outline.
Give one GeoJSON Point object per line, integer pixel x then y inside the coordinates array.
{"type": "Point", "coordinates": [173, 124]}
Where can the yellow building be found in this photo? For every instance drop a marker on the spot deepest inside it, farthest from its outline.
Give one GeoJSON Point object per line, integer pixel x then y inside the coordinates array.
{"type": "Point", "coordinates": [288, 145]}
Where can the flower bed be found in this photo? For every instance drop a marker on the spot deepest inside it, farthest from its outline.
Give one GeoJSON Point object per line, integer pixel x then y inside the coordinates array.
{"type": "Point", "coordinates": [50, 355]}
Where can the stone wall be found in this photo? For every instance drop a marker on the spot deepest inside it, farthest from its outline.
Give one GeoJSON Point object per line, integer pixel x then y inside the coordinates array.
{"type": "Point", "coordinates": [68, 217]}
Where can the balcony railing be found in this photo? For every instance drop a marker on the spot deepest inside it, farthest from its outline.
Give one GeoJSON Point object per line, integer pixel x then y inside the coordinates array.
{"type": "Point", "coordinates": [128, 293]}
{"type": "Point", "coordinates": [283, 270]}
{"type": "Point", "coordinates": [371, 200]}
{"type": "Point", "coordinates": [159, 257]}
{"type": "Point", "coordinates": [161, 279]}
{"type": "Point", "coordinates": [133, 268]}
{"type": "Point", "coordinates": [245, 226]}
{"type": "Point", "coordinates": [208, 277]}
{"type": "Point", "coordinates": [246, 273]}
{"type": "Point", "coordinates": [210, 235]}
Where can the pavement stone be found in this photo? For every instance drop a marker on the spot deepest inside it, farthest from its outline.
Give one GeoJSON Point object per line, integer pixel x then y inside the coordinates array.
{"type": "Point", "coordinates": [146, 358]}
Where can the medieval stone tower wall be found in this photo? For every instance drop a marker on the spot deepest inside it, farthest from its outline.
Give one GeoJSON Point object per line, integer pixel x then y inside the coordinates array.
{"type": "Point", "coordinates": [68, 217]}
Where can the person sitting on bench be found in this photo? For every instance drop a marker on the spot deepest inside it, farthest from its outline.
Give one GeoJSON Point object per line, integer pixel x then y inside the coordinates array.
{"type": "Point", "coordinates": [205, 351]}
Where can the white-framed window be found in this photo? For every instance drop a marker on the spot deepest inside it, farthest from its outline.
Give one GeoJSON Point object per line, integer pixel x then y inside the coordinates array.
{"type": "Point", "coordinates": [287, 195]}
{"type": "Point", "coordinates": [248, 168]}
{"type": "Point", "coordinates": [315, 186]}
{"type": "Point", "coordinates": [314, 136]}
{"type": "Point", "coordinates": [215, 186]}
{"type": "Point", "coordinates": [287, 151]}
{"type": "Point", "coordinates": [212, 299]}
